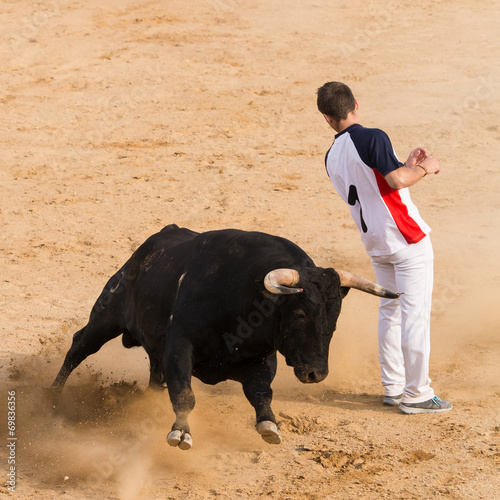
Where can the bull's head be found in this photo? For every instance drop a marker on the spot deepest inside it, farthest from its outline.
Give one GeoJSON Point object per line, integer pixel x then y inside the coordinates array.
{"type": "Point", "coordinates": [309, 315]}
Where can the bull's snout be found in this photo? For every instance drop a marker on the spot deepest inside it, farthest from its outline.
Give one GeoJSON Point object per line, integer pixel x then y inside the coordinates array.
{"type": "Point", "coordinates": [308, 375]}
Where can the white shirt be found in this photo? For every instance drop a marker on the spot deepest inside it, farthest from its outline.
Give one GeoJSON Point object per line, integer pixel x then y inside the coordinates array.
{"type": "Point", "coordinates": [387, 219]}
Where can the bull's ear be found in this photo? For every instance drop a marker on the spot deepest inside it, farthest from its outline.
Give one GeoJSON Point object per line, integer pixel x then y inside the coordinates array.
{"type": "Point", "coordinates": [344, 290]}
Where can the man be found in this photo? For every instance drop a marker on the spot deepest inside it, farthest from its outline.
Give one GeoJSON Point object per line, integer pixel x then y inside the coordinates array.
{"type": "Point", "coordinates": [369, 177]}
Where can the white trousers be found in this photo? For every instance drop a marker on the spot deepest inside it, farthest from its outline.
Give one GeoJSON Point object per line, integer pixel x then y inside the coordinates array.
{"type": "Point", "coordinates": [404, 324]}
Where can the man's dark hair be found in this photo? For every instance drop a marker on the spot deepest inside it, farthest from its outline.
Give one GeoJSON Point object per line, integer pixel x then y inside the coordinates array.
{"type": "Point", "coordinates": [335, 99]}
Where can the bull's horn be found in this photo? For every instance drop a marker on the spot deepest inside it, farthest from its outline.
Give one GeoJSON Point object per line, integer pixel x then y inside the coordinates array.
{"type": "Point", "coordinates": [352, 280]}
{"type": "Point", "coordinates": [280, 281]}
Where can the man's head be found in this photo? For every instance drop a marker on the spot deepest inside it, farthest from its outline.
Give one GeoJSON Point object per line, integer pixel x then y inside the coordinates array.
{"type": "Point", "coordinates": [336, 101]}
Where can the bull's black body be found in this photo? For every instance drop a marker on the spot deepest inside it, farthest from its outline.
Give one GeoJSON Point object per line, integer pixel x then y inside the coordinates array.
{"type": "Point", "coordinates": [198, 305]}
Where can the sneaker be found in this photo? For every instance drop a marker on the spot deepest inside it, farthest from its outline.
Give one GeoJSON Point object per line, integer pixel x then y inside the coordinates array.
{"type": "Point", "coordinates": [392, 400]}
{"type": "Point", "coordinates": [434, 405]}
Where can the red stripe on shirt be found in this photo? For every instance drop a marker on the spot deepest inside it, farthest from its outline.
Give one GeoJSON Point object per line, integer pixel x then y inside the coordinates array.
{"type": "Point", "coordinates": [410, 230]}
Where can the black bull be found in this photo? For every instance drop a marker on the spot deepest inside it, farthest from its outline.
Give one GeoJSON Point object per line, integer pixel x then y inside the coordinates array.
{"type": "Point", "coordinates": [218, 305]}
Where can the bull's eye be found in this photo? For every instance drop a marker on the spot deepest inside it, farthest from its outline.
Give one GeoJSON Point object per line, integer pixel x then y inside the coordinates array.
{"type": "Point", "coordinates": [299, 313]}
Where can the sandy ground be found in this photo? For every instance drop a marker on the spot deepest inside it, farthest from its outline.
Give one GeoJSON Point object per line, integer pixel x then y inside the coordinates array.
{"type": "Point", "coordinates": [120, 117]}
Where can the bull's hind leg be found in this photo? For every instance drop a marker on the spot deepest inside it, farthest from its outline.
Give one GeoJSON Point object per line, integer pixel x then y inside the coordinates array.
{"type": "Point", "coordinates": [102, 326]}
{"type": "Point", "coordinates": [86, 341]}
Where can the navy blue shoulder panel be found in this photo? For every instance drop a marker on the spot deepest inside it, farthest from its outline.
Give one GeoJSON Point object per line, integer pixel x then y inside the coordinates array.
{"type": "Point", "coordinates": [374, 148]}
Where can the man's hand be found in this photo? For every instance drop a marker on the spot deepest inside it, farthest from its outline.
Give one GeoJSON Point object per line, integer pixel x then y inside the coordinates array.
{"type": "Point", "coordinates": [430, 164]}
{"type": "Point", "coordinates": [417, 166]}
{"type": "Point", "coordinates": [416, 156]}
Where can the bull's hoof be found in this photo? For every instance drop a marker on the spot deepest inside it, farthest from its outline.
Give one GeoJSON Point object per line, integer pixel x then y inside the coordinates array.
{"type": "Point", "coordinates": [186, 441]}
{"type": "Point", "coordinates": [269, 432]}
{"type": "Point", "coordinates": [181, 439]}
{"type": "Point", "coordinates": [174, 438]}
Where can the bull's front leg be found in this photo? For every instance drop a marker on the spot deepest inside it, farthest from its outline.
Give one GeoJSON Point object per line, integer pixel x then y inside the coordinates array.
{"type": "Point", "coordinates": [257, 388]}
{"type": "Point", "coordinates": [178, 367]}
